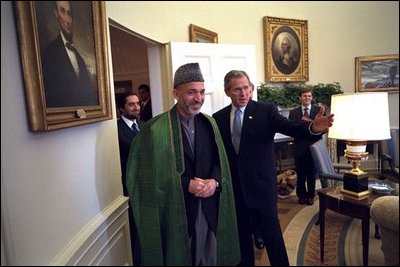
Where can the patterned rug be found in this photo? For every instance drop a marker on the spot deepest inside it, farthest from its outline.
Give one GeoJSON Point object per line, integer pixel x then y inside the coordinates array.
{"type": "Point", "coordinates": [343, 246]}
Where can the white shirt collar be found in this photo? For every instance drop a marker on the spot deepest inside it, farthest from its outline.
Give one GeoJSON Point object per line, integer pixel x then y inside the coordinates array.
{"type": "Point", "coordinates": [63, 38]}
{"type": "Point", "coordinates": [128, 121]}
{"type": "Point", "coordinates": [144, 103]}
{"type": "Point", "coordinates": [234, 108]}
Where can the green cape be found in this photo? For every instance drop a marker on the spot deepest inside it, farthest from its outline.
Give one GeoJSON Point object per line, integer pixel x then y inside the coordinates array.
{"type": "Point", "coordinates": [154, 167]}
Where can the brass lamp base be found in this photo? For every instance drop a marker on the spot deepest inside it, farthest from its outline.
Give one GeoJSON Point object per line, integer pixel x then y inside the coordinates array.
{"type": "Point", "coordinates": [355, 181]}
{"type": "Point", "coordinates": [355, 185]}
{"type": "Point", "coordinates": [354, 194]}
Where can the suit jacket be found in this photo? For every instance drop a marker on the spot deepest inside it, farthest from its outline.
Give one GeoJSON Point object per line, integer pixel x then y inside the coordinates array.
{"type": "Point", "coordinates": [254, 170]}
{"type": "Point", "coordinates": [300, 145]}
{"type": "Point", "coordinates": [146, 113]}
{"type": "Point", "coordinates": [203, 164]}
{"type": "Point", "coordinates": [62, 86]}
{"type": "Point", "coordinates": [125, 138]}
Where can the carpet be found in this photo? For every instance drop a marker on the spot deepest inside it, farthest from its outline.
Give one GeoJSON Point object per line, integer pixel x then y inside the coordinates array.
{"type": "Point", "coordinates": [343, 246]}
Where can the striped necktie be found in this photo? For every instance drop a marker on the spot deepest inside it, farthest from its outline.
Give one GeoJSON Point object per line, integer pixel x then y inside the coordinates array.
{"type": "Point", "coordinates": [135, 128]}
{"type": "Point", "coordinates": [306, 114]}
{"type": "Point", "coordinates": [236, 130]}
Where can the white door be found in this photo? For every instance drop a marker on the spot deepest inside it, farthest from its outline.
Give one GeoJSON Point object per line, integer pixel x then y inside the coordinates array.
{"type": "Point", "coordinates": [215, 61]}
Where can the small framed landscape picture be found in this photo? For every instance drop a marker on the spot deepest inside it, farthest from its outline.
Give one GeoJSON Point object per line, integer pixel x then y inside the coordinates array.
{"type": "Point", "coordinates": [377, 73]}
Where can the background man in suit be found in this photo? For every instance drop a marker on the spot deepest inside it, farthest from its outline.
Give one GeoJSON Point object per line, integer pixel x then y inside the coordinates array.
{"type": "Point", "coordinates": [303, 159]}
{"type": "Point", "coordinates": [252, 162]}
{"type": "Point", "coordinates": [145, 102]}
{"type": "Point", "coordinates": [128, 127]}
{"type": "Point", "coordinates": [66, 78]}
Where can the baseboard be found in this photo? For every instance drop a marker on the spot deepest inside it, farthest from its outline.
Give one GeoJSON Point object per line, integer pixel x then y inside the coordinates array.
{"type": "Point", "coordinates": [104, 241]}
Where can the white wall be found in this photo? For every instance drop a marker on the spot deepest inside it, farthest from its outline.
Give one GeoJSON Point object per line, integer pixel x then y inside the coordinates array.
{"type": "Point", "coordinates": [338, 31]}
{"type": "Point", "coordinates": [53, 184]}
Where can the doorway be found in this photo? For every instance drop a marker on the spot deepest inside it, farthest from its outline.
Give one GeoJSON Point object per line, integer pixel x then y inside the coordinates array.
{"type": "Point", "coordinates": [130, 60]}
{"type": "Point", "coordinates": [138, 59]}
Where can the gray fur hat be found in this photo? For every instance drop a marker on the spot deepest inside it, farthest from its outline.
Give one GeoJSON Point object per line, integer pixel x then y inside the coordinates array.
{"type": "Point", "coordinates": [187, 73]}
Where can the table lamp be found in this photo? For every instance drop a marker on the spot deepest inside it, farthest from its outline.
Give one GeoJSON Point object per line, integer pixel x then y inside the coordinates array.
{"type": "Point", "coordinates": [359, 118]}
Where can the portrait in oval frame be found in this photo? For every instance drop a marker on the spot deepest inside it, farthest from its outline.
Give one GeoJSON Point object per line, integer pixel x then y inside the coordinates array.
{"type": "Point", "coordinates": [285, 49]}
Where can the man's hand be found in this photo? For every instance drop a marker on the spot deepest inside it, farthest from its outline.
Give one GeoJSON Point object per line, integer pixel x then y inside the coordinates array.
{"type": "Point", "coordinates": [322, 123]}
{"type": "Point", "coordinates": [202, 187]}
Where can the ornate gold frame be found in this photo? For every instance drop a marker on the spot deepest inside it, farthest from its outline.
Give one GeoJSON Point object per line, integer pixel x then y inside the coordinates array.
{"type": "Point", "coordinates": [296, 31]}
{"type": "Point", "coordinates": [42, 118]}
{"type": "Point", "coordinates": [200, 35]}
{"type": "Point", "coordinates": [377, 73]}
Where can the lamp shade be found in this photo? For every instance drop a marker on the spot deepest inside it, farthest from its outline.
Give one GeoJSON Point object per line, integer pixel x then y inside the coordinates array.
{"type": "Point", "coordinates": [360, 116]}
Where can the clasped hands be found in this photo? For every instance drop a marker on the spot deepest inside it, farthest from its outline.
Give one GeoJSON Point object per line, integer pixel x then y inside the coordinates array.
{"type": "Point", "coordinates": [202, 187]}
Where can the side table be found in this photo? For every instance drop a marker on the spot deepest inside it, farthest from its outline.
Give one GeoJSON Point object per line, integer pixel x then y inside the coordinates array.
{"type": "Point", "coordinates": [331, 198]}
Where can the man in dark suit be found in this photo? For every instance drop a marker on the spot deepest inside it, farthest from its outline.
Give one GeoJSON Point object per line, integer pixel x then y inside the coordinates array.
{"type": "Point", "coordinates": [146, 112]}
{"type": "Point", "coordinates": [66, 78]}
{"type": "Point", "coordinates": [252, 162]}
{"type": "Point", "coordinates": [128, 127]}
{"type": "Point", "coordinates": [303, 159]}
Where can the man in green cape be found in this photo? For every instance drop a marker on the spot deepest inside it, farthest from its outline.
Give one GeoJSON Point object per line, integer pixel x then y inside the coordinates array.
{"type": "Point", "coordinates": [179, 183]}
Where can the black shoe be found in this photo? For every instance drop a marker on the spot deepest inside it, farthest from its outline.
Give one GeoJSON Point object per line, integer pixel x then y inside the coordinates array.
{"type": "Point", "coordinates": [377, 233]}
{"type": "Point", "coordinates": [259, 242]}
{"type": "Point", "coordinates": [310, 201]}
{"type": "Point", "coordinates": [302, 201]}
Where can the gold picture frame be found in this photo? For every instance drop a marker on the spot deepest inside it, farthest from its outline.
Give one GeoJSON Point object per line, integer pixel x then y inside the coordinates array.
{"type": "Point", "coordinates": [290, 35]}
{"type": "Point", "coordinates": [37, 28]}
{"type": "Point", "coordinates": [377, 73]}
{"type": "Point", "coordinates": [200, 35]}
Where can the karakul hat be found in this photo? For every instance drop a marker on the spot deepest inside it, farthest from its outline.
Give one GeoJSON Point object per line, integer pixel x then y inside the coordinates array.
{"type": "Point", "coordinates": [188, 73]}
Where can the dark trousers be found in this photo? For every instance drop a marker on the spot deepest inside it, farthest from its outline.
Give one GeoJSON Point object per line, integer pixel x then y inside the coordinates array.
{"type": "Point", "coordinates": [135, 245]}
{"type": "Point", "coordinates": [256, 226]}
{"type": "Point", "coordinates": [270, 232]}
{"type": "Point", "coordinates": [305, 176]}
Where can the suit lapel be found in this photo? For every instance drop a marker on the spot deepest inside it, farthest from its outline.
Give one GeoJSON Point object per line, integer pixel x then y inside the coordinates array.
{"type": "Point", "coordinates": [314, 112]}
{"type": "Point", "coordinates": [299, 113]}
{"type": "Point", "coordinates": [249, 115]}
{"type": "Point", "coordinates": [225, 126]}
{"type": "Point", "coordinates": [128, 131]}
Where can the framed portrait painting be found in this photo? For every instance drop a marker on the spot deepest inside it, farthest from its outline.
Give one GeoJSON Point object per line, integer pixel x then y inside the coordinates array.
{"type": "Point", "coordinates": [200, 35]}
{"type": "Point", "coordinates": [64, 56]}
{"type": "Point", "coordinates": [377, 73]}
{"type": "Point", "coordinates": [285, 50]}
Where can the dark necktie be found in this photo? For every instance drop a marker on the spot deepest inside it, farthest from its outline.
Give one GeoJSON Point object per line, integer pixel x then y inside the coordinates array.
{"type": "Point", "coordinates": [236, 130]}
{"type": "Point", "coordinates": [135, 128]}
{"type": "Point", "coordinates": [81, 64]}
{"type": "Point", "coordinates": [71, 47]}
{"type": "Point", "coordinates": [306, 114]}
